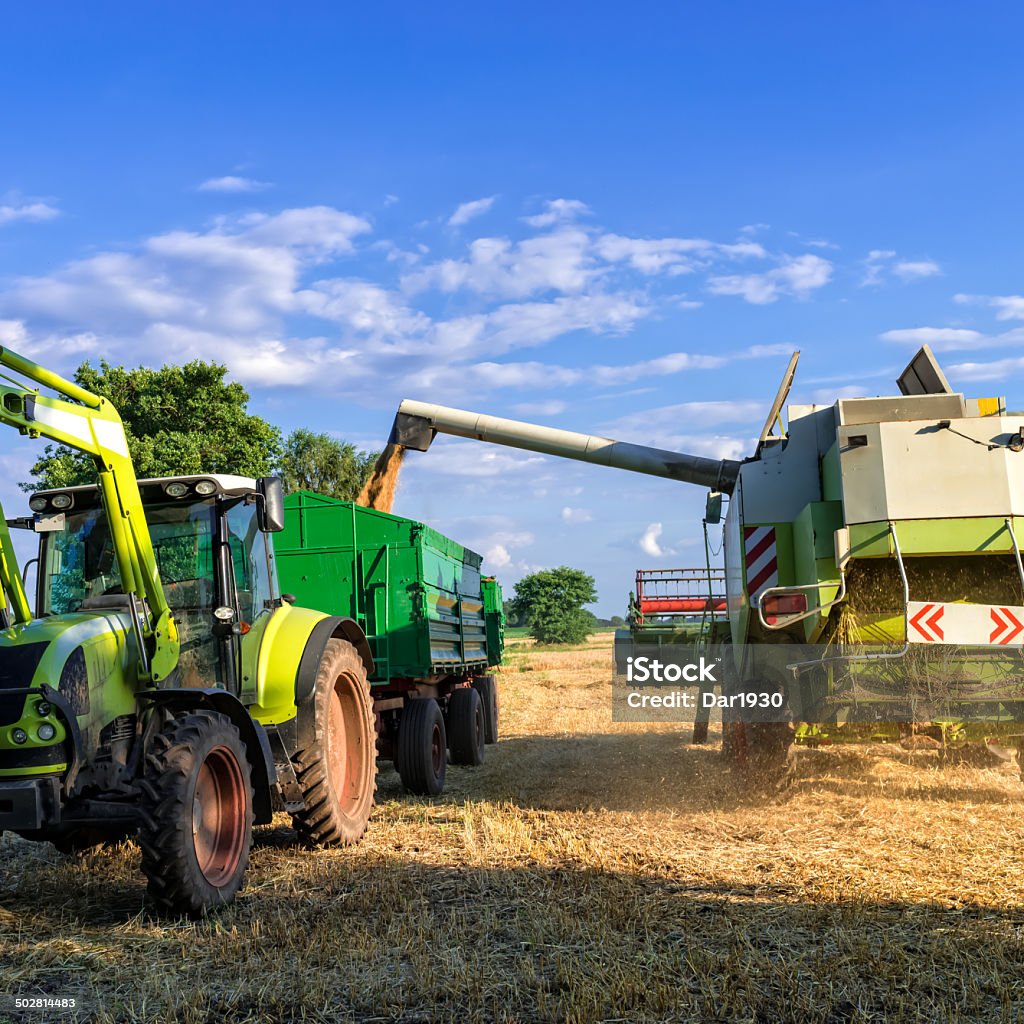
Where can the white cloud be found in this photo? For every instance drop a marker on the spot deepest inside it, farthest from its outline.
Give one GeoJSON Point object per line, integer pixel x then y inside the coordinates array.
{"type": "Point", "coordinates": [237, 277]}
{"type": "Point", "coordinates": [461, 458]}
{"type": "Point", "coordinates": [671, 255]}
{"type": "Point", "coordinates": [560, 262]}
{"type": "Point", "coordinates": [996, 370]}
{"type": "Point", "coordinates": [951, 339]}
{"type": "Point", "coordinates": [576, 515]}
{"type": "Point", "coordinates": [465, 212]}
{"type": "Point", "coordinates": [912, 270]}
{"type": "Point", "coordinates": [556, 210]}
{"type": "Point", "coordinates": [875, 265]}
{"type": "Point", "coordinates": [882, 262]}
{"type": "Point", "coordinates": [649, 542]}
{"type": "Point", "coordinates": [687, 414]}
{"type": "Point", "coordinates": [797, 276]}
{"type": "Point", "coordinates": [233, 183]}
{"type": "Point", "coordinates": [1007, 307]}
{"type": "Point", "coordinates": [27, 211]}
{"type": "Point", "coordinates": [497, 556]}
{"type": "Point", "coordinates": [552, 407]}
{"type": "Point", "coordinates": [363, 307]}
{"type": "Point", "coordinates": [940, 338]}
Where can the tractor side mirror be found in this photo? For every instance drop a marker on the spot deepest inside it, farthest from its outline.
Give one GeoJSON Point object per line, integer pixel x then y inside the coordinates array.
{"type": "Point", "coordinates": [713, 508]}
{"type": "Point", "coordinates": [270, 506]}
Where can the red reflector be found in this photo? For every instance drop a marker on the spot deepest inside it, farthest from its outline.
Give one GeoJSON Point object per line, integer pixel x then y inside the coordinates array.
{"type": "Point", "coordinates": [781, 604]}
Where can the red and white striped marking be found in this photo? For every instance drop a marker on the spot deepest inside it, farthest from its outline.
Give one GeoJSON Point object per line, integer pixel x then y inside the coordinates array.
{"type": "Point", "coordinates": [965, 624]}
{"type": "Point", "coordinates": [761, 559]}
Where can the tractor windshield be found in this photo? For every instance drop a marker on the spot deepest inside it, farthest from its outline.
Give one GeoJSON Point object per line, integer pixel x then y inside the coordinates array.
{"type": "Point", "coordinates": [80, 570]}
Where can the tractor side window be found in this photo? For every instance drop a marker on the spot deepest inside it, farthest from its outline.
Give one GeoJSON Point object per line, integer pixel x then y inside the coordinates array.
{"type": "Point", "coordinates": [254, 581]}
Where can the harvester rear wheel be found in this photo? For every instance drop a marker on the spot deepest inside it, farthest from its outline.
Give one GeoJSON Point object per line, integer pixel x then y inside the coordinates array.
{"type": "Point", "coordinates": [422, 748]}
{"type": "Point", "coordinates": [338, 771]}
{"type": "Point", "coordinates": [487, 687]}
{"type": "Point", "coordinates": [196, 814]}
{"type": "Point", "coordinates": [759, 742]}
{"type": "Point", "coordinates": [466, 726]}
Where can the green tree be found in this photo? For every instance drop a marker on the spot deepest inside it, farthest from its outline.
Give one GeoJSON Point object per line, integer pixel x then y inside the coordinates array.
{"type": "Point", "coordinates": [551, 602]}
{"type": "Point", "coordinates": [318, 462]}
{"type": "Point", "coordinates": [179, 420]}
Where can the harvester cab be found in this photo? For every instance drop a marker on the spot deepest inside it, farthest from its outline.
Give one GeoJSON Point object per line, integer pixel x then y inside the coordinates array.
{"type": "Point", "coordinates": [161, 684]}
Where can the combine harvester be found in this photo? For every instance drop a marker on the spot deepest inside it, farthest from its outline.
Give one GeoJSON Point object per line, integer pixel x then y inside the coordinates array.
{"type": "Point", "coordinates": [877, 537]}
{"type": "Point", "coordinates": [164, 685]}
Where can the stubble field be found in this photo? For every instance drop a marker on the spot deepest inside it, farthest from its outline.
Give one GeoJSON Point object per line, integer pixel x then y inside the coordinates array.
{"type": "Point", "coordinates": [589, 871]}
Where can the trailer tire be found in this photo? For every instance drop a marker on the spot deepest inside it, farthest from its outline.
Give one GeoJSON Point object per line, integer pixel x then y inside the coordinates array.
{"type": "Point", "coordinates": [337, 772]}
{"type": "Point", "coordinates": [487, 687]}
{"type": "Point", "coordinates": [422, 747]}
{"type": "Point", "coordinates": [197, 812]}
{"type": "Point", "coordinates": [466, 726]}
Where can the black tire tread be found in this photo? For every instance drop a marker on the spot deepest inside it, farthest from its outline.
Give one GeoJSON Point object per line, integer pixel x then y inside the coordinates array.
{"type": "Point", "coordinates": [166, 814]}
{"type": "Point", "coordinates": [487, 687]}
{"type": "Point", "coordinates": [415, 761]}
{"type": "Point", "coordinates": [321, 822]}
{"type": "Point", "coordinates": [465, 732]}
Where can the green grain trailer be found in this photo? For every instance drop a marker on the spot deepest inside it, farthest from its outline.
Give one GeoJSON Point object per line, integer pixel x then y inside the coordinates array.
{"type": "Point", "coordinates": [433, 624]}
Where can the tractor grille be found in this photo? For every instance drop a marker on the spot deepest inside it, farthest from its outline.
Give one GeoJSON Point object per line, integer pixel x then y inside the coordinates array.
{"type": "Point", "coordinates": [17, 666]}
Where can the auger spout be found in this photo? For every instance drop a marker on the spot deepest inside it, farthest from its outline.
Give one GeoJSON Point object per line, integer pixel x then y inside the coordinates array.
{"type": "Point", "coordinates": [417, 423]}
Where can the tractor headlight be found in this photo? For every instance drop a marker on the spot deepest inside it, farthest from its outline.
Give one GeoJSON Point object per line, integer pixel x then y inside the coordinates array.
{"type": "Point", "coordinates": [46, 731]}
{"type": "Point", "coordinates": [206, 487]}
{"type": "Point", "coordinates": [176, 489]}
{"type": "Point", "coordinates": [37, 504]}
{"type": "Point", "coordinates": [19, 735]}
{"type": "Point", "coordinates": [61, 501]}
{"type": "Point", "coordinates": [43, 708]}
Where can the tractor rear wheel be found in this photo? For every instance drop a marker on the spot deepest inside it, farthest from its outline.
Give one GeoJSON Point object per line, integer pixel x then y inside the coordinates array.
{"type": "Point", "coordinates": [196, 814]}
{"type": "Point", "coordinates": [466, 726]}
{"type": "Point", "coordinates": [337, 772]}
{"type": "Point", "coordinates": [422, 747]}
{"type": "Point", "coordinates": [487, 687]}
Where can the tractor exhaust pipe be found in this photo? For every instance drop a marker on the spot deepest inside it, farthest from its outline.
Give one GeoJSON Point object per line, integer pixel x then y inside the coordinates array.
{"type": "Point", "coordinates": [417, 424]}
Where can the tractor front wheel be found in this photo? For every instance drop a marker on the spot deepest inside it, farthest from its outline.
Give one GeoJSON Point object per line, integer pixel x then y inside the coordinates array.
{"type": "Point", "coordinates": [338, 771]}
{"type": "Point", "coordinates": [197, 814]}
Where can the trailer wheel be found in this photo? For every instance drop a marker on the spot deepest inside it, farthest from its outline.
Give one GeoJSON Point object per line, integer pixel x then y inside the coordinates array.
{"type": "Point", "coordinates": [466, 726]}
{"type": "Point", "coordinates": [196, 814]}
{"type": "Point", "coordinates": [338, 771]}
{"type": "Point", "coordinates": [759, 742]}
{"type": "Point", "coordinates": [422, 754]}
{"type": "Point", "coordinates": [487, 687]}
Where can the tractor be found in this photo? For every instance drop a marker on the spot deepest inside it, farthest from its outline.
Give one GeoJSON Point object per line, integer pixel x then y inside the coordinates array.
{"type": "Point", "coordinates": [158, 683]}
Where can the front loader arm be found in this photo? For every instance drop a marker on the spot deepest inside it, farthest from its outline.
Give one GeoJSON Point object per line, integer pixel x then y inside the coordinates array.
{"type": "Point", "coordinates": [11, 588]}
{"type": "Point", "coordinates": [90, 424]}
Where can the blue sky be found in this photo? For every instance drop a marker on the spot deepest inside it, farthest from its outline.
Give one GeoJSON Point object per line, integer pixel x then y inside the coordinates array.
{"type": "Point", "coordinates": [617, 219]}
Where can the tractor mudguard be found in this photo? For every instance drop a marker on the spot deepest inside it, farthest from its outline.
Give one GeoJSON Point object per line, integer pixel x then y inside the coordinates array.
{"type": "Point", "coordinates": [333, 627]}
{"type": "Point", "coordinates": [254, 736]}
{"type": "Point", "coordinates": [298, 733]}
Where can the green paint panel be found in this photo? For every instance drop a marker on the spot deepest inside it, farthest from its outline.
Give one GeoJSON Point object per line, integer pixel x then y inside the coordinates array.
{"type": "Point", "coordinates": [416, 593]}
{"type": "Point", "coordinates": [814, 556]}
{"type": "Point", "coordinates": [935, 537]}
